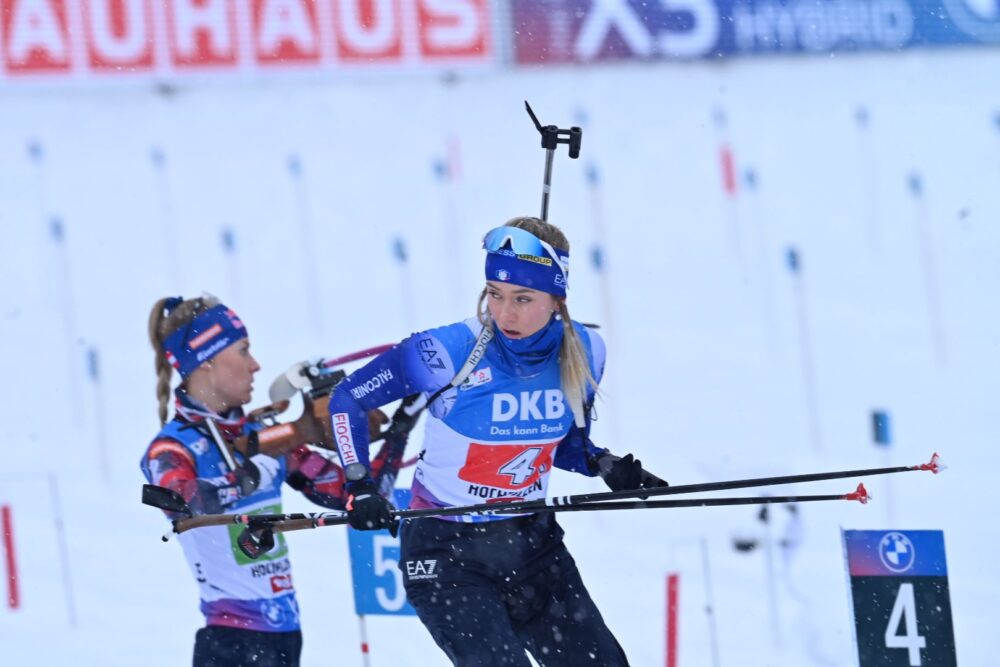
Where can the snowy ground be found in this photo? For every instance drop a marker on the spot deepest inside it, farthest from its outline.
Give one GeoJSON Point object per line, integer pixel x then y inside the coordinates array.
{"type": "Point", "coordinates": [712, 339]}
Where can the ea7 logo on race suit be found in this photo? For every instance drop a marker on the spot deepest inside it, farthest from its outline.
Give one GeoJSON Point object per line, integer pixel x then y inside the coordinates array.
{"type": "Point", "coordinates": [344, 439]}
{"type": "Point", "coordinates": [430, 355]}
{"type": "Point", "coordinates": [538, 404]}
{"type": "Point", "coordinates": [421, 569]}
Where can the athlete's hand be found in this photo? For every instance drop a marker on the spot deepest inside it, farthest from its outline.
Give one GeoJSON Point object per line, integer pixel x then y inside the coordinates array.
{"type": "Point", "coordinates": [257, 472]}
{"type": "Point", "coordinates": [367, 509]}
{"type": "Point", "coordinates": [404, 419]}
{"type": "Point", "coordinates": [626, 473]}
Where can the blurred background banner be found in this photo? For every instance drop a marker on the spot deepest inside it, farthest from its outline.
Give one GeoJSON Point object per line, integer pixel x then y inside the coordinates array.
{"type": "Point", "coordinates": [91, 40]}
{"type": "Point", "coordinates": [60, 41]}
{"type": "Point", "coordinates": [582, 31]}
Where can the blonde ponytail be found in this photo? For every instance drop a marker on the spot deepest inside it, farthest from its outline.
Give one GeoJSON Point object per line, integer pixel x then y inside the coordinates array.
{"type": "Point", "coordinates": [161, 325]}
{"type": "Point", "coordinates": [574, 369]}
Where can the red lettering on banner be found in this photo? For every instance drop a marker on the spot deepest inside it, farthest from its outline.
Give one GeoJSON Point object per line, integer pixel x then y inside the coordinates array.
{"type": "Point", "coordinates": [453, 28]}
{"type": "Point", "coordinates": [285, 31]}
{"type": "Point", "coordinates": [368, 30]}
{"type": "Point", "coordinates": [119, 34]}
{"type": "Point", "coordinates": [35, 36]}
{"type": "Point", "coordinates": [202, 32]}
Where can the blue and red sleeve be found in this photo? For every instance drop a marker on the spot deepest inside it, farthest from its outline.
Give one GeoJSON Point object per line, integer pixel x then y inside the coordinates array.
{"type": "Point", "coordinates": [317, 477]}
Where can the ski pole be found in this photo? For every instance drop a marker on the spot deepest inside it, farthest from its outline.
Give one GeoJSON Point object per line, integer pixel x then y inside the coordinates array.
{"type": "Point", "coordinates": [260, 530]}
{"type": "Point", "coordinates": [333, 519]}
{"type": "Point", "coordinates": [934, 465]}
{"type": "Point", "coordinates": [301, 521]}
{"type": "Point", "coordinates": [172, 502]}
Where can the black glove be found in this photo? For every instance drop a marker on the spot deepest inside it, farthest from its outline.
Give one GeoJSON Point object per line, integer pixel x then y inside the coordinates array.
{"type": "Point", "coordinates": [626, 473]}
{"type": "Point", "coordinates": [246, 478]}
{"type": "Point", "coordinates": [367, 509]}
{"type": "Point", "coordinates": [403, 421]}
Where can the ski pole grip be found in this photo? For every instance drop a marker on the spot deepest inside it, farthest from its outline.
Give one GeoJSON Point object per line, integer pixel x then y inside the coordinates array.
{"type": "Point", "coordinates": [182, 525]}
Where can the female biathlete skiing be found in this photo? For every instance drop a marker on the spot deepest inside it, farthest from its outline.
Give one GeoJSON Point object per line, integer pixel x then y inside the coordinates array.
{"type": "Point", "coordinates": [509, 395]}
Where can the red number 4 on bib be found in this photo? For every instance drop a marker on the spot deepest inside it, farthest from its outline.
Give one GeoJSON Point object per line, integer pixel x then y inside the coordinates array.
{"type": "Point", "coordinates": [507, 466]}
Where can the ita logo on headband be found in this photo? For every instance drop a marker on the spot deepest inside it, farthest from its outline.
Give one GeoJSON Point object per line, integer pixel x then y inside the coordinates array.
{"type": "Point", "coordinates": [503, 275]}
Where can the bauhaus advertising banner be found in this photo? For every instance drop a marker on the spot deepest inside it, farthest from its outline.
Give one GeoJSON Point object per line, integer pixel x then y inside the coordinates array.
{"type": "Point", "coordinates": [121, 40]}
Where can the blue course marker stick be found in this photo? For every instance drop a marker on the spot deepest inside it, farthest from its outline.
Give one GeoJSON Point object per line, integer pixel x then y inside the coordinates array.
{"type": "Point", "coordinates": [599, 262]}
{"type": "Point", "coordinates": [794, 262]}
{"type": "Point", "coordinates": [168, 230]}
{"type": "Point", "coordinates": [57, 234]}
{"type": "Point", "coordinates": [868, 174]}
{"type": "Point", "coordinates": [401, 256]}
{"type": "Point", "coordinates": [229, 249]}
{"type": "Point", "coordinates": [307, 244]}
{"type": "Point", "coordinates": [758, 225]}
{"type": "Point", "coordinates": [94, 374]}
{"type": "Point", "coordinates": [447, 174]}
{"type": "Point", "coordinates": [934, 316]}
{"type": "Point", "coordinates": [881, 432]}
{"type": "Point", "coordinates": [882, 437]}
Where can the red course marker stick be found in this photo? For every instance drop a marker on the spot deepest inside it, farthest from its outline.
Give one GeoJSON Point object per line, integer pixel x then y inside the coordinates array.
{"type": "Point", "coordinates": [13, 591]}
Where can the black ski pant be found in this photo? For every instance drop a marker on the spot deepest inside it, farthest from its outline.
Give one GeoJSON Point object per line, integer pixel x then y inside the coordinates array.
{"type": "Point", "coordinates": [219, 646]}
{"type": "Point", "coordinates": [488, 592]}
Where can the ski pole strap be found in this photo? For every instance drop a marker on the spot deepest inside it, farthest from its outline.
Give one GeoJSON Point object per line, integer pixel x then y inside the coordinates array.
{"type": "Point", "coordinates": [220, 444]}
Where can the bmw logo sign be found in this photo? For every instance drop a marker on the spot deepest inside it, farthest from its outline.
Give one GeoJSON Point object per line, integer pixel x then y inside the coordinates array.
{"type": "Point", "coordinates": [897, 552]}
{"type": "Point", "coordinates": [503, 275]}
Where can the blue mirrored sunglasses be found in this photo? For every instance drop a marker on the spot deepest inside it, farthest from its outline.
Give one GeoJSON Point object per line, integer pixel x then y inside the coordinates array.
{"type": "Point", "coordinates": [522, 242]}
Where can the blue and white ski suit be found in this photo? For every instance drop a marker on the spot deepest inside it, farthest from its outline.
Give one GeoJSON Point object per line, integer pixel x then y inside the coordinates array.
{"type": "Point", "coordinates": [488, 588]}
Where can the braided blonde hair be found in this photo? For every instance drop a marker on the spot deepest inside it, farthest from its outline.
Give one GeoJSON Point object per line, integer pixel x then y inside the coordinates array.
{"type": "Point", "coordinates": [161, 325]}
{"type": "Point", "coordinates": [574, 370]}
